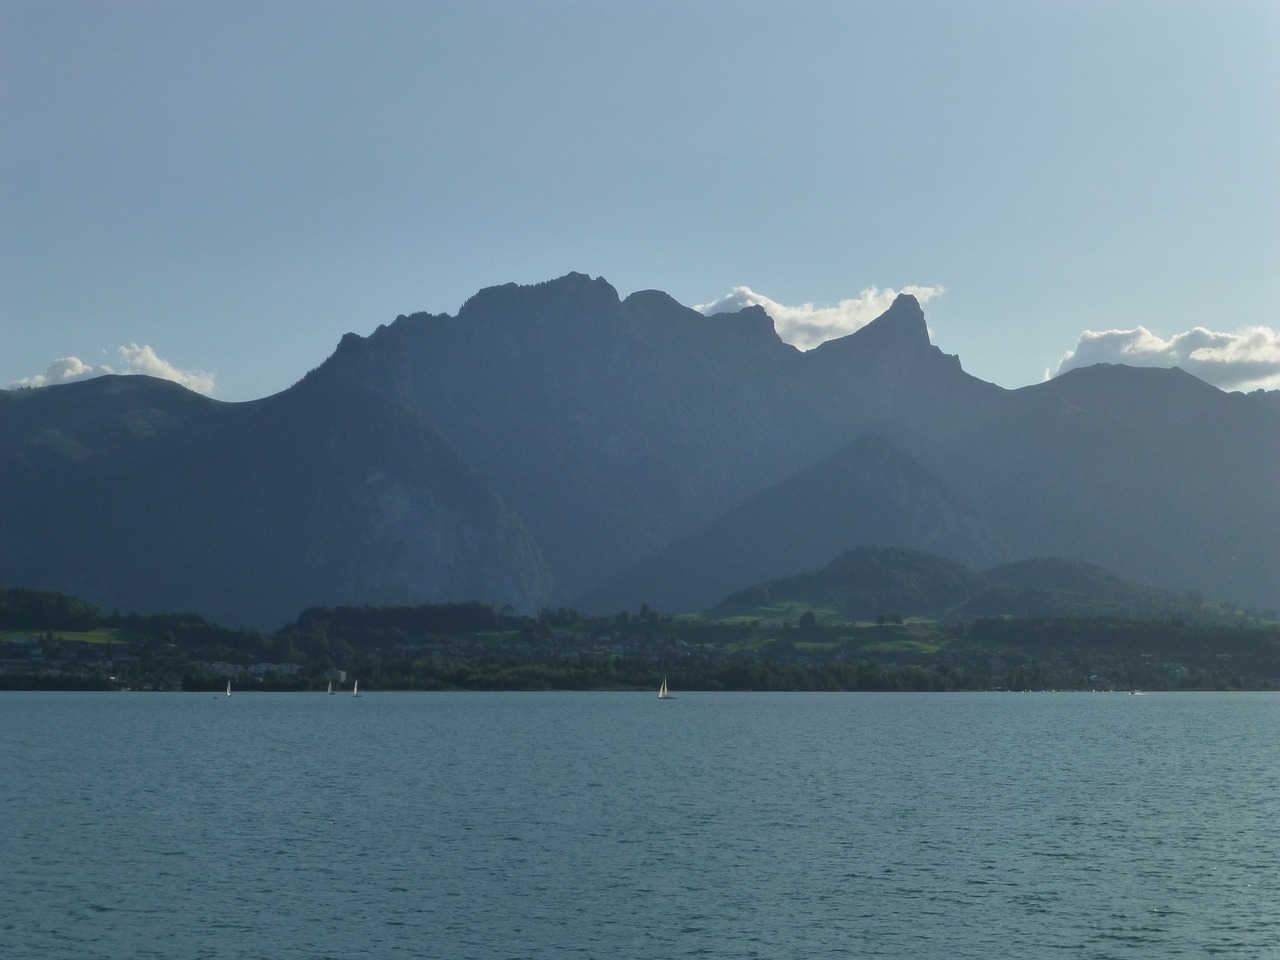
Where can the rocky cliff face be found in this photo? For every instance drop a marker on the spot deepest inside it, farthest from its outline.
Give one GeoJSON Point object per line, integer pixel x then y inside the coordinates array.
{"type": "Point", "coordinates": [246, 513]}
{"type": "Point", "coordinates": [611, 427]}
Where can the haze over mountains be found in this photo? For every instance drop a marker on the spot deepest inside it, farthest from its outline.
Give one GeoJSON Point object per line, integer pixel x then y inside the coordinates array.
{"type": "Point", "coordinates": [555, 444]}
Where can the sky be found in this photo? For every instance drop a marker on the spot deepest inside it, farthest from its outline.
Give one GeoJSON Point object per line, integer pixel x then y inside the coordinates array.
{"type": "Point", "coordinates": [217, 191]}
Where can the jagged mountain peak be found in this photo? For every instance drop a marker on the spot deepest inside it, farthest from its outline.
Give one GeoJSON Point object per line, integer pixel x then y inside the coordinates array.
{"type": "Point", "coordinates": [571, 294]}
{"type": "Point", "coordinates": [654, 301]}
{"type": "Point", "coordinates": [899, 330]}
{"type": "Point", "coordinates": [902, 324]}
{"type": "Point", "coordinates": [553, 442]}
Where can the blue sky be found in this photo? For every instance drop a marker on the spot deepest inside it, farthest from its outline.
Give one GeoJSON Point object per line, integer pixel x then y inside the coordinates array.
{"type": "Point", "coordinates": [222, 189]}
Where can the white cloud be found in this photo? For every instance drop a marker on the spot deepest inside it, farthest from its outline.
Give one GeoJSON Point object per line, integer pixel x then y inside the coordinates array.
{"type": "Point", "coordinates": [807, 325]}
{"type": "Point", "coordinates": [1245, 360]}
{"type": "Point", "coordinates": [134, 360]}
{"type": "Point", "coordinates": [64, 370]}
{"type": "Point", "coordinates": [144, 360]}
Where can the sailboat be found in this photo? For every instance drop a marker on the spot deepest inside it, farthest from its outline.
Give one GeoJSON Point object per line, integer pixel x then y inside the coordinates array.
{"type": "Point", "coordinates": [355, 690]}
{"type": "Point", "coordinates": [331, 688]}
{"type": "Point", "coordinates": [662, 691]}
{"type": "Point", "coordinates": [228, 688]}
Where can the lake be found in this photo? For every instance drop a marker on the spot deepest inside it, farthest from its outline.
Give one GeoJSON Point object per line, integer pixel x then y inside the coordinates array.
{"type": "Point", "coordinates": [614, 825]}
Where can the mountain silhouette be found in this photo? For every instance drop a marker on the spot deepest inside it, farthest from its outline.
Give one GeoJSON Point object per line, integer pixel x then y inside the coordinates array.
{"type": "Point", "coordinates": [556, 444]}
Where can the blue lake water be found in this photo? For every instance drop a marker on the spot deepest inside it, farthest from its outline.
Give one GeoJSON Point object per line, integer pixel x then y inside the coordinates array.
{"type": "Point", "coordinates": [618, 826]}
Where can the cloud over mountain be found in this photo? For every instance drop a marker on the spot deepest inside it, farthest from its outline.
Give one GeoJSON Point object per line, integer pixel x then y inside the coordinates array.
{"type": "Point", "coordinates": [134, 359]}
{"type": "Point", "coordinates": [807, 325]}
{"type": "Point", "coordinates": [1244, 360]}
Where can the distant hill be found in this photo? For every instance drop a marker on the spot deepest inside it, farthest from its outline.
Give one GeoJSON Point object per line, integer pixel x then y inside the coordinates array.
{"type": "Point", "coordinates": [1069, 588]}
{"type": "Point", "coordinates": [874, 582]}
{"type": "Point", "coordinates": [557, 444]}
{"type": "Point", "coordinates": [862, 584]}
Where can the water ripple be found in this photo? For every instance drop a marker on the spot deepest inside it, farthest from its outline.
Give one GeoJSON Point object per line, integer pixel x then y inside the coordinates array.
{"type": "Point", "coordinates": [548, 825]}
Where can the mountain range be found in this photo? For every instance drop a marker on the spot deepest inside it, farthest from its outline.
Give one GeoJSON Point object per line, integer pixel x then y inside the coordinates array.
{"type": "Point", "coordinates": [556, 444]}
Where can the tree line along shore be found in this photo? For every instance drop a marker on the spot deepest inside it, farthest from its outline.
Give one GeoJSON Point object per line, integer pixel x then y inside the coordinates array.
{"type": "Point", "coordinates": [54, 642]}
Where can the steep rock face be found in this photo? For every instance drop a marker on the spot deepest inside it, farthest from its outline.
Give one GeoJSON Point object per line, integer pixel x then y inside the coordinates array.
{"type": "Point", "coordinates": [246, 513]}
{"type": "Point", "coordinates": [615, 428]}
{"type": "Point", "coordinates": [395, 515]}
{"type": "Point", "coordinates": [900, 330]}
{"type": "Point", "coordinates": [611, 427]}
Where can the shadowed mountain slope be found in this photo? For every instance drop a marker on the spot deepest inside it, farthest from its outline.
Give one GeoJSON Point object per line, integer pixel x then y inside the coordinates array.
{"type": "Point", "coordinates": [615, 427]}
{"type": "Point", "coordinates": [147, 499]}
{"type": "Point", "coordinates": [1053, 587]}
{"type": "Point", "coordinates": [557, 444]}
{"type": "Point", "coordinates": [869, 492]}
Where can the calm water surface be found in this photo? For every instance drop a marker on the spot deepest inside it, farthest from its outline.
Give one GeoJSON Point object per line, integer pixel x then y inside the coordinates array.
{"type": "Point", "coordinates": [618, 826]}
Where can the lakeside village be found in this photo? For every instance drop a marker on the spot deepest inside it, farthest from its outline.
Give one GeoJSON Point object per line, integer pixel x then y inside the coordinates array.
{"type": "Point", "coordinates": [474, 647]}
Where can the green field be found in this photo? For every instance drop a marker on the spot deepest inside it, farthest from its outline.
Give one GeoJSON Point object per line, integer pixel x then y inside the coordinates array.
{"type": "Point", "coordinates": [100, 635]}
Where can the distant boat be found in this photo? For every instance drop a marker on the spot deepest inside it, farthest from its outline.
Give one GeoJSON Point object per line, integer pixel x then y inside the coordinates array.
{"type": "Point", "coordinates": [662, 691]}
{"type": "Point", "coordinates": [355, 690]}
{"type": "Point", "coordinates": [331, 688]}
{"type": "Point", "coordinates": [228, 688]}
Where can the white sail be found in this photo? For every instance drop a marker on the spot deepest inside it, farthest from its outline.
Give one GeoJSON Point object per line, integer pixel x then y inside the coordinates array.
{"type": "Point", "coordinates": [355, 690]}
{"type": "Point", "coordinates": [330, 688]}
{"type": "Point", "coordinates": [662, 690]}
{"type": "Point", "coordinates": [228, 688]}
